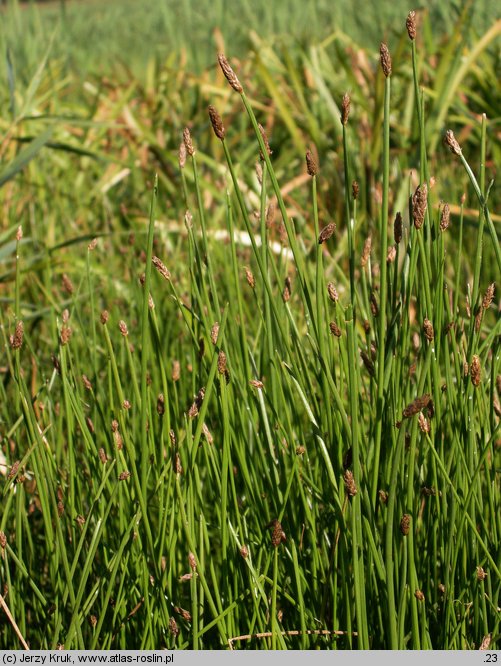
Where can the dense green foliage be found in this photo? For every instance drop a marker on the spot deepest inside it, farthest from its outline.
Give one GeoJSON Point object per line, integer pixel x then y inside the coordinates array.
{"type": "Point", "coordinates": [219, 432]}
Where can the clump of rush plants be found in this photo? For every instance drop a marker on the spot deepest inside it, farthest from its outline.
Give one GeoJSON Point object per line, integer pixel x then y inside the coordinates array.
{"type": "Point", "coordinates": [272, 434]}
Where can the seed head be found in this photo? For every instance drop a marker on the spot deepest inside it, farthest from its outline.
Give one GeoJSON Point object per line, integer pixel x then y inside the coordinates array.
{"type": "Point", "coordinates": [256, 383]}
{"type": "Point", "coordinates": [405, 524]}
{"type": "Point", "coordinates": [369, 365]}
{"type": "Point", "coordinates": [411, 25]}
{"type": "Point", "coordinates": [3, 539]}
{"type": "Point", "coordinates": [419, 595]}
{"type": "Point", "coordinates": [277, 534]}
{"type": "Point", "coordinates": [214, 332]}
{"type": "Point", "coordinates": [161, 268]}
{"type": "Point", "coordinates": [251, 280]}
{"type": "Point", "coordinates": [445, 217]}
{"type": "Point", "coordinates": [173, 628]}
{"type": "Point", "coordinates": [424, 424]}
{"type": "Point", "coordinates": [419, 205]}
{"type": "Point", "coordinates": [188, 143]}
{"type": "Point", "coordinates": [92, 245]}
{"type": "Point", "coordinates": [417, 405]}
{"type": "Point", "coordinates": [19, 233]}
{"type": "Point", "coordinates": [67, 284]}
{"type": "Point", "coordinates": [428, 330]}
{"type": "Point", "coordinates": [366, 252]}
{"type": "Point", "coordinates": [230, 75]}
{"type": "Point", "coordinates": [451, 141]}
{"type": "Point", "coordinates": [123, 328]}
{"type": "Point", "coordinates": [355, 189]}
{"type": "Point", "coordinates": [385, 59]}
{"type": "Point", "coordinates": [349, 484]}
{"type": "Point", "coordinates": [207, 434]}
{"type": "Point", "coordinates": [391, 255]}
{"type": "Point", "coordinates": [192, 561]}
{"type": "Point", "coordinates": [221, 362]}
{"type": "Point", "coordinates": [160, 404]}
{"type": "Point", "coordinates": [481, 574]}
{"type": "Point", "coordinates": [475, 370]}
{"type": "Point", "coordinates": [489, 295]}
{"type": "Point", "coordinates": [326, 233]}
{"type": "Point", "coordinates": [13, 470]}
{"type": "Point", "coordinates": [124, 476]}
{"type": "Point", "coordinates": [397, 228]}
{"type": "Point", "coordinates": [486, 641]}
{"type": "Point", "coordinates": [345, 108]}
{"type": "Point", "coordinates": [16, 340]}
{"type": "Point", "coordinates": [335, 330]}
{"type": "Point", "coordinates": [105, 315]}
{"type": "Point", "coordinates": [217, 123]}
{"type": "Point", "coordinates": [102, 456]}
{"type": "Point", "coordinates": [311, 165]}
{"type": "Point", "coordinates": [244, 552]}
{"type": "Point", "coordinates": [176, 370]}
{"type": "Point", "coordinates": [332, 291]}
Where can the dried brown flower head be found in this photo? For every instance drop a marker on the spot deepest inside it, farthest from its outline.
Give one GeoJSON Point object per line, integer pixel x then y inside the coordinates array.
{"type": "Point", "coordinates": [65, 334]}
{"type": "Point", "coordinates": [123, 328]}
{"type": "Point", "coordinates": [417, 405]}
{"type": "Point", "coordinates": [366, 252]}
{"type": "Point", "coordinates": [221, 362]}
{"type": "Point", "coordinates": [311, 164]}
{"type": "Point", "coordinates": [419, 205]}
{"type": "Point", "coordinates": [192, 561]}
{"type": "Point", "coordinates": [355, 189]}
{"type": "Point", "coordinates": [424, 424]}
{"type": "Point", "coordinates": [369, 365]}
{"type": "Point", "coordinates": [385, 59]}
{"type": "Point", "coordinates": [481, 574]}
{"type": "Point", "coordinates": [176, 370]}
{"type": "Point", "coordinates": [244, 552]}
{"type": "Point", "coordinates": [397, 228]}
{"type": "Point", "coordinates": [419, 595]}
{"type": "Point", "coordinates": [92, 245]}
{"type": "Point", "coordinates": [326, 233]}
{"type": "Point", "coordinates": [160, 404]}
{"type": "Point", "coordinates": [188, 143]}
{"type": "Point", "coordinates": [451, 141]}
{"type": "Point", "coordinates": [345, 108]}
{"type": "Point", "coordinates": [161, 268]}
{"type": "Point", "coordinates": [277, 534]}
{"type": "Point", "coordinates": [335, 330]}
{"type": "Point", "coordinates": [475, 370]}
{"type": "Point", "coordinates": [124, 476]}
{"type": "Point", "coordinates": [383, 496]}
{"type": "Point", "coordinates": [429, 333]}
{"type": "Point", "coordinates": [249, 276]}
{"type": "Point", "coordinates": [489, 295]}
{"type": "Point", "coordinates": [486, 641]}
{"type": "Point", "coordinates": [445, 217]}
{"type": "Point", "coordinates": [410, 24]}
{"type": "Point", "coordinates": [3, 539]}
{"type": "Point", "coordinates": [105, 315]}
{"type": "Point", "coordinates": [19, 233]}
{"type": "Point", "coordinates": [349, 483]}
{"type": "Point", "coordinates": [216, 122]}
{"type": "Point", "coordinates": [332, 291]}
{"type": "Point", "coordinates": [173, 628]}
{"type": "Point", "coordinates": [265, 141]}
{"type": "Point", "coordinates": [67, 284]}
{"type": "Point", "coordinates": [230, 75]}
{"type": "Point", "coordinates": [102, 456]}
{"type": "Point", "coordinates": [13, 470]}
{"type": "Point", "coordinates": [16, 340]}
{"type": "Point", "coordinates": [391, 255]}
{"type": "Point", "coordinates": [405, 524]}
{"type": "Point", "coordinates": [256, 383]}
{"type": "Point", "coordinates": [214, 332]}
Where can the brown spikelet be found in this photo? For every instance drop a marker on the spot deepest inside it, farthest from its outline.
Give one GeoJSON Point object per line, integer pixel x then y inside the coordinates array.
{"type": "Point", "coordinates": [391, 255]}
{"type": "Point", "coordinates": [14, 470]}
{"type": "Point", "coordinates": [277, 534]}
{"type": "Point", "coordinates": [445, 217]}
{"type": "Point", "coordinates": [214, 332]}
{"type": "Point", "coordinates": [335, 330]}
{"type": "Point", "coordinates": [102, 456]}
{"type": "Point", "coordinates": [385, 59]}
{"type": "Point", "coordinates": [424, 424]}
{"type": "Point", "coordinates": [182, 155]}
{"type": "Point", "coordinates": [332, 291]}
{"type": "Point", "coordinates": [86, 382]}
{"type": "Point", "coordinates": [326, 233]}
{"type": "Point", "coordinates": [429, 333]}
{"type": "Point", "coordinates": [176, 370]}
{"type": "Point", "coordinates": [265, 141]}
{"type": "Point", "coordinates": [374, 305]}
{"type": "Point", "coordinates": [173, 628]}
{"type": "Point", "coordinates": [230, 75]}
{"type": "Point", "coordinates": [207, 434]}
{"type": "Point", "coordinates": [67, 284]}
{"type": "Point", "coordinates": [383, 496]}
{"type": "Point", "coordinates": [349, 484]}
{"type": "Point", "coordinates": [419, 595]}
{"type": "Point", "coordinates": [192, 561]}
{"type": "Point", "coordinates": [92, 245]}
{"type": "Point", "coordinates": [188, 143]}
{"type": "Point", "coordinates": [105, 315]}
{"type": "Point", "coordinates": [369, 365]}
{"type": "Point", "coordinates": [419, 205]}
{"type": "Point", "coordinates": [405, 524]}
{"type": "Point", "coordinates": [345, 108]}
{"type": "Point", "coordinates": [90, 424]}
{"type": "Point", "coordinates": [451, 141]}
{"type": "Point", "coordinates": [355, 189]}
{"type": "Point", "coordinates": [60, 509]}
{"type": "Point", "coordinates": [161, 268]}
{"type": "Point", "coordinates": [481, 574]}
{"type": "Point", "coordinates": [221, 362]}
{"type": "Point", "coordinates": [397, 228]}
{"type": "Point", "coordinates": [216, 122]}
{"type": "Point", "coordinates": [410, 24]}
{"type": "Point", "coordinates": [475, 370]}
{"type": "Point", "coordinates": [416, 406]}
{"type": "Point", "coordinates": [366, 252]}
{"type": "Point", "coordinates": [3, 540]}
{"type": "Point", "coordinates": [160, 404]}
{"type": "Point", "coordinates": [270, 215]}
{"type": "Point", "coordinates": [300, 450]}
{"type": "Point", "coordinates": [249, 276]}
{"type": "Point", "coordinates": [16, 340]}
{"type": "Point", "coordinates": [489, 295]}
{"type": "Point", "coordinates": [244, 552]}
{"type": "Point", "coordinates": [178, 468]}
{"type": "Point", "coordinates": [19, 233]}
{"type": "Point", "coordinates": [65, 334]}
{"type": "Point", "coordinates": [123, 328]}
{"type": "Point", "coordinates": [286, 293]}
{"type": "Point", "coordinates": [124, 476]}
{"type": "Point", "coordinates": [311, 165]}
{"type": "Point", "coordinates": [256, 383]}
